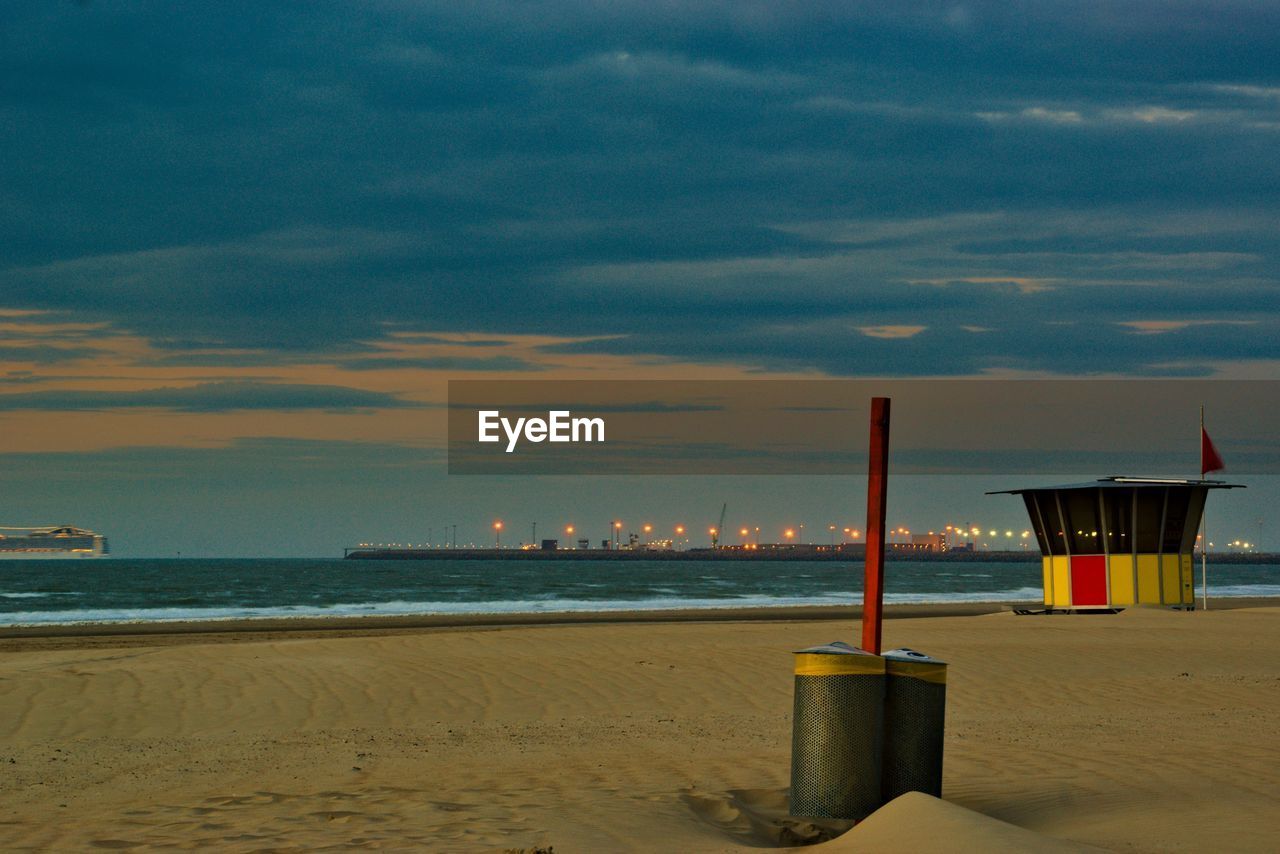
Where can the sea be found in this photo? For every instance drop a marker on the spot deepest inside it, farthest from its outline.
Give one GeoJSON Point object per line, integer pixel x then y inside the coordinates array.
{"type": "Point", "coordinates": [116, 590]}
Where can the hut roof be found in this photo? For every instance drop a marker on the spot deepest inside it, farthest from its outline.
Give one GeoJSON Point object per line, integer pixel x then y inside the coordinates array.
{"type": "Point", "coordinates": [1120, 481]}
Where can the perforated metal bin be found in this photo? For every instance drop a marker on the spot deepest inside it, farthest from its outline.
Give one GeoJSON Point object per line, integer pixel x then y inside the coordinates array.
{"type": "Point", "coordinates": [914, 717]}
{"type": "Point", "coordinates": [837, 732]}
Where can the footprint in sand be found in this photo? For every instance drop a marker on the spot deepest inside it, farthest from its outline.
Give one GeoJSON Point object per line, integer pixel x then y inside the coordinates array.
{"type": "Point", "coordinates": [761, 817]}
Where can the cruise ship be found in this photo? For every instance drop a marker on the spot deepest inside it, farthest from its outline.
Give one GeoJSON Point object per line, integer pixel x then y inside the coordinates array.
{"type": "Point", "coordinates": [56, 541]}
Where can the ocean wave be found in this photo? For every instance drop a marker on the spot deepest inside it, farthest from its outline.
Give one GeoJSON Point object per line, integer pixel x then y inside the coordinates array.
{"type": "Point", "coordinates": [1021, 594]}
{"type": "Point", "coordinates": [511, 606]}
{"type": "Point", "coordinates": [37, 594]}
{"type": "Point", "coordinates": [541, 606]}
{"type": "Point", "coordinates": [1230, 590]}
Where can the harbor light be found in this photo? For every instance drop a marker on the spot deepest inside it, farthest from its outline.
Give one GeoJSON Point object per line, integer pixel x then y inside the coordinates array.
{"type": "Point", "coordinates": [497, 534]}
{"type": "Point", "coordinates": [789, 533]}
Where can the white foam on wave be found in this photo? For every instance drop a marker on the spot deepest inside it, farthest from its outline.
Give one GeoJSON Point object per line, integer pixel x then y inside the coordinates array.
{"type": "Point", "coordinates": [513, 606]}
{"type": "Point", "coordinates": [1229, 590]}
{"type": "Point", "coordinates": [38, 594]}
{"type": "Point", "coordinates": [540, 606]}
{"type": "Point", "coordinates": [1020, 594]}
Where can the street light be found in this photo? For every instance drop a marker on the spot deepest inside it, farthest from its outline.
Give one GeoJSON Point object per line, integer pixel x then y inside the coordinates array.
{"type": "Point", "coordinates": [497, 534]}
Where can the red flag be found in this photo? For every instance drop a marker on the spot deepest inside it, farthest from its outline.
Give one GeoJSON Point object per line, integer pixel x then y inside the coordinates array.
{"type": "Point", "coordinates": [1209, 458]}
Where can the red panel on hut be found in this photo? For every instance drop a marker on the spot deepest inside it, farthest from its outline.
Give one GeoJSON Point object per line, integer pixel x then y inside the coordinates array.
{"type": "Point", "coordinates": [1088, 580]}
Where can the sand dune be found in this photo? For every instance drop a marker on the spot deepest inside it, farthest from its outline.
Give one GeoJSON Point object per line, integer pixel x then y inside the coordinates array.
{"type": "Point", "coordinates": [1145, 731]}
{"type": "Point", "coordinates": [923, 824]}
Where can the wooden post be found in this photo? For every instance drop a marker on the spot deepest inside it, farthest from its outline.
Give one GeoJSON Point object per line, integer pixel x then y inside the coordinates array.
{"type": "Point", "coordinates": [1204, 529]}
{"type": "Point", "coordinates": [877, 495]}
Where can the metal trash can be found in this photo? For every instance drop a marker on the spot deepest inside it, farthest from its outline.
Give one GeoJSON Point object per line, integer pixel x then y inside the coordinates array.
{"type": "Point", "coordinates": [914, 715]}
{"type": "Point", "coordinates": [837, 732]}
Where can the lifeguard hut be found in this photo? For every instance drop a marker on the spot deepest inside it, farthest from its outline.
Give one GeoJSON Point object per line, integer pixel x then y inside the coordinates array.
{"type": "Point", "coordinates": [1117, 541]}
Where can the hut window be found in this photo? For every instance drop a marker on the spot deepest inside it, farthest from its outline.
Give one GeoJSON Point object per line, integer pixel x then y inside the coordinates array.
{"type": "Point", "coordinates": [1117, 509]}
{"type": "Point", "coordinates": [1053, 523]}
{"type": "Point", "coordinates": [1175, 519]}
{"type": "Point", "coordinates": [1195, 510]}
{"type": "Point", "coordinates": [1147, 520]}
{"type": "Point", "coordinates": [1083, 528]}
{"type": "Point", "coordinates": [1036, 524]}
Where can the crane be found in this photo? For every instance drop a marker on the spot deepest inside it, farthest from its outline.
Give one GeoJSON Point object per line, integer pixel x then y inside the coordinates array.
{"type": "Point", "coordinates": [715, 532]}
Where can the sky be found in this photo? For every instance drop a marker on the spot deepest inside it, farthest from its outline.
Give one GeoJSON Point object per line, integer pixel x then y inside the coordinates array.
{"type": "Point", "coordinates": [244, 246]}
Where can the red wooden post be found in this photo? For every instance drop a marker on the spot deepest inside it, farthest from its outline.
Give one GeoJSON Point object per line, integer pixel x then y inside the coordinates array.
{"type": "Point", "coordinates": [877, 495]}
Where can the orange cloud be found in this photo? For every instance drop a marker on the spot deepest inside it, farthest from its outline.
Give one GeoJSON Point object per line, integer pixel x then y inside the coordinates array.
{"type": "Point", "coordinates": [1156, 327]}
{"type": "Point", "coordinates": [891, 331]}
{"type": "Point", "coordinates": [415, 367]}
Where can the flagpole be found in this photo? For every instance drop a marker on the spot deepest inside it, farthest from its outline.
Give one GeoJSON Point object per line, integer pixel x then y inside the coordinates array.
{"type": "Point", "coordinates": [1204, 528]}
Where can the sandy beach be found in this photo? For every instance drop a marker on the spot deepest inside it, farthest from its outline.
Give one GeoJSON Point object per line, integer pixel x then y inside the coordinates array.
{"type": "Point", "coordinates": [1143, 731]}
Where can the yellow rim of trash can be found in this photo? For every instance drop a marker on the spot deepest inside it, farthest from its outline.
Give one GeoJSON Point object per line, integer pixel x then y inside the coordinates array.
{"type": "Point", "coordinates": [821, 664]}
{"type": "Point", "coordinates": [935, 673]}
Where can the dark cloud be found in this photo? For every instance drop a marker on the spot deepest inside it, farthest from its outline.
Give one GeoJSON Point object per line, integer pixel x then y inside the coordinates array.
{"type": "Point", "coordinates": [718, 181]}
{"type": "Point", "coordinates": [1077, 347]}
{"type": "Point", "coordinates": [207, 397]}
{"type": "Point", "coordinates": [43, 354]}
{"type": "Point", "coordinates": [249, 457]}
